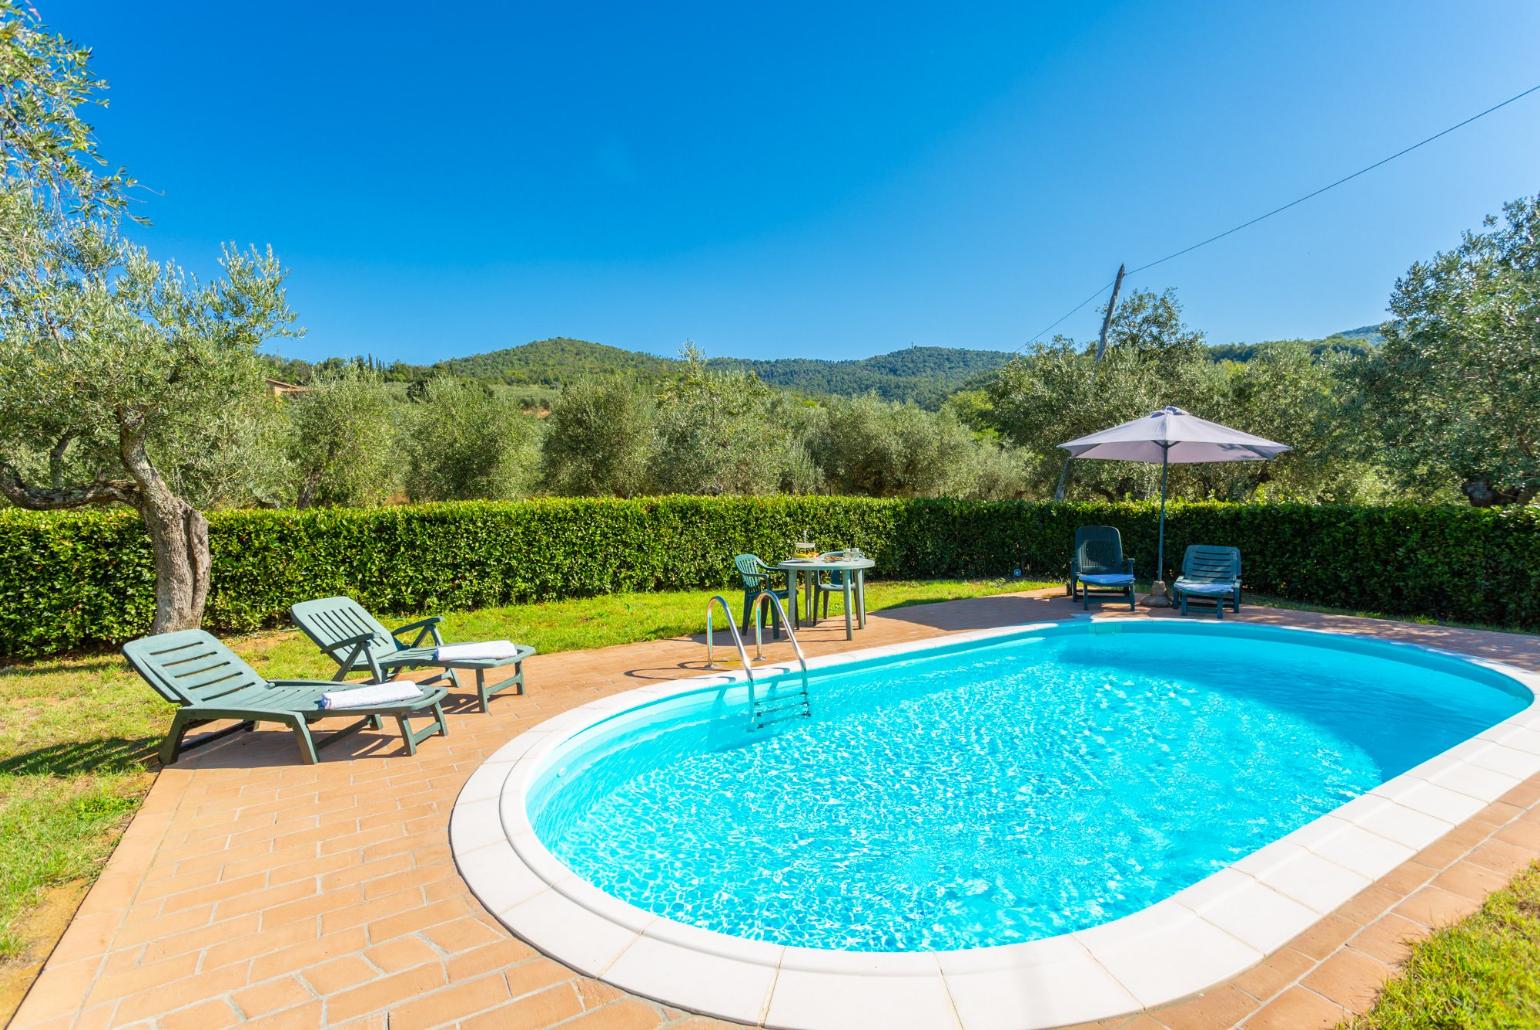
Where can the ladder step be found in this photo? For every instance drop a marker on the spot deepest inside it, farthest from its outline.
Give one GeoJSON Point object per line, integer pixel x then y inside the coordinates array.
{"type": "Point", "coordinates": [763, 708]}
{"type": "Point", "coordinates": [762, 722]}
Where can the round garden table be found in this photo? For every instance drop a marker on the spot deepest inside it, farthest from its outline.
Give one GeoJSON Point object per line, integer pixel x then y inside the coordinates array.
{"type": "Point", "coordinates": [855, 569]}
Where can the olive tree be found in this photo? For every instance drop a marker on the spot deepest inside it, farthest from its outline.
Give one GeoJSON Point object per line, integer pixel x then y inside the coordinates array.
{"type": "Point", "coordinates": [1061, 391]}
{"type": "Point", "coordinates": [599, 439]}
{"type": "Point", "coordinates": [121, 376]}
{"type": "Point", "coordinates": [1289, 393]}
{"type": "Point", "coordinates": [1453, 391]}
{"type": "Point", "coordinates": [468, 440]}
{"type": "Point", "coordinates": [865, 445]}
{"type": "Point", "coordinates": [342, 436]}
{"type": "Point", "coordinates": [722, 433]}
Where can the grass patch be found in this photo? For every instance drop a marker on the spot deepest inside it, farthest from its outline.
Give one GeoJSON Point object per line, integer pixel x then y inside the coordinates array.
{"type": "Point", "coordinates": [1482, 973]}
{"type": "Point", "coordinates": [78, 735]}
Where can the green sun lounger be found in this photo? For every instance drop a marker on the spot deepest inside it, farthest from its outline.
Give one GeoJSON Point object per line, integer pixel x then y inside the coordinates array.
{"type": "Point", "coordinates": [208, 682]}
{"type": "Point", "coordinates": [1098, 570]}
{"type": "Point", "coordinates": [1211, 574]}
{"type": "Point", "coordinates": [359, 642]}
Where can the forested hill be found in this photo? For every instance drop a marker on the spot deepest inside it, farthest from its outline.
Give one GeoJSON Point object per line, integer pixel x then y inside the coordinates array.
{"type": "Point", "coordinates": [922, 374]}
{"type": "Point", "coordinates": [925, 375]}
{"type": "Point", "coordinates": [554, 362]}
{"type": "Point", "coordinates": [1354, 341]}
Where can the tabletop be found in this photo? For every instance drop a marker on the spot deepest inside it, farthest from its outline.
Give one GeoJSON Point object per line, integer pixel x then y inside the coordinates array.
{"type": "Point", "coordinates": [843, 565]}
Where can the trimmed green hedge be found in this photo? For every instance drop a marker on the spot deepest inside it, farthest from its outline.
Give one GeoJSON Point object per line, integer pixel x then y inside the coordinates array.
{"type": "Point", "coordinates": [75, 580]}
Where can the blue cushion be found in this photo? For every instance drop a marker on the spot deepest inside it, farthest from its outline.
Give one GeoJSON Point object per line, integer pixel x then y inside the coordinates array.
{"type": "Point", "coordinates": [1186, 586]}
{"type": "Point", "coordinates": [1107, 579]}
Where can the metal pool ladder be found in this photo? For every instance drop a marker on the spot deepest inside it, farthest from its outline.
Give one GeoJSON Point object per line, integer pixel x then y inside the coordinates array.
{"type": "Point", "coordinates": [774, 705]}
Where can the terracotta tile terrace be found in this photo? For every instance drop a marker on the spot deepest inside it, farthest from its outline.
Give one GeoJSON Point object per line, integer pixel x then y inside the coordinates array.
{"type": "Point", "coordinates": [254, 889]}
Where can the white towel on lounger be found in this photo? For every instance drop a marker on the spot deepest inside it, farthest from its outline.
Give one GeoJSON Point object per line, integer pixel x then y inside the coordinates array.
{"type": "Point", "coordinates": [376, 695]}
{"type": "Point", "coordinates": [489, 650]}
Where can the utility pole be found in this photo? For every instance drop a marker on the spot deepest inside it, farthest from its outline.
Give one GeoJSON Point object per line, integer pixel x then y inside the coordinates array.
{"type": "Point", "coordinates": [1112, 303]}
{"type": "Point", "coordinates": [1101, 348]}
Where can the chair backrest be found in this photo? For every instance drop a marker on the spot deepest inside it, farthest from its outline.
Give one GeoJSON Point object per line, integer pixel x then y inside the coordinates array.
{"type": "Point", "coordinates": [752, 570]}
{"type": "Point", "coordinates": [330, 620]}
{"type": "Point", "coordinates": [1206, 564]}
{"type": "Point", "coordinates": [1098, 549]}
{"type": "Point", "coordinates": [190, 667]}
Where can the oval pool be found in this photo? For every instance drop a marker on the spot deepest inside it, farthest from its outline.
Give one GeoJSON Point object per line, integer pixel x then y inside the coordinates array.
{"type": "Point", "coordinates": [996, 791]}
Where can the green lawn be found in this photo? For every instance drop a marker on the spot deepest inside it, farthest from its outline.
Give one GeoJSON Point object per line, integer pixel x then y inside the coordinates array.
{"type": "Point", "coordinates": [77, 735]}
{"type": "Point", "coordinates": [1482, 973]}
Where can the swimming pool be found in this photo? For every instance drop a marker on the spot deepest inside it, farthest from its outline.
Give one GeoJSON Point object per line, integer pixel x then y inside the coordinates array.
{"type": "Point", "coordinates": [950, 805]}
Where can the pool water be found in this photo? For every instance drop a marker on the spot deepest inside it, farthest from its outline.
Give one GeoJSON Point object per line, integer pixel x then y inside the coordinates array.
{"type": "Point", "coordinates": [998, 792]}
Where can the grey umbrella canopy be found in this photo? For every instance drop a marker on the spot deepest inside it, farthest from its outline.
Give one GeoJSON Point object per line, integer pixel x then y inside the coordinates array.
{"type": "Point", "coordinates": [1172, 436]}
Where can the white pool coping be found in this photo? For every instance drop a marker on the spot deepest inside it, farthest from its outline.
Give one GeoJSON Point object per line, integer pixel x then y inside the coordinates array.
{"type": "Point", "coordinates": [1192, 940]}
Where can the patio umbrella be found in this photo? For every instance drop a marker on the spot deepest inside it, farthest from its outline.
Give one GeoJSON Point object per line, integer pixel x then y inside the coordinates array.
{"type": "Point", "coordinates": [1171, 436]}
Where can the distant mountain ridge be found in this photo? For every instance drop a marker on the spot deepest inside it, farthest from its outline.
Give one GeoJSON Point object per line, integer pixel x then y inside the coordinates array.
{"type": "Point", "coordinates": [553, 362]}
{"type": "Point", "coordinates": [925, 375]}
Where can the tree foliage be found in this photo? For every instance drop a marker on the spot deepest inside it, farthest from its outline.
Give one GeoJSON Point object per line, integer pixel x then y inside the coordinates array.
{"type": "Point", "coordinates": [341, 441]}
{"type": "Point", "coordinates": [599, 437]}
{"type": "Point", "coordinates": [1453, 394]}
{"type": "Point", "coordinates": [48, 153]}
{"type": "Point", "coordinates": [467, 440]}
{"type": "Point", "coordinates": [865, 445]}
{"type": "Point", "coordinates": [1061, 392]}
{"type": "Point", "coordinates": [722, 432]}
{"type": "Point", "coordinates": [126, 381]}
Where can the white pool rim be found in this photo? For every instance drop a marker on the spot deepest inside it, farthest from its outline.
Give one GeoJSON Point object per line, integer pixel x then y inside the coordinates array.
{"type": "Point", "coordinates": [1182, 944]}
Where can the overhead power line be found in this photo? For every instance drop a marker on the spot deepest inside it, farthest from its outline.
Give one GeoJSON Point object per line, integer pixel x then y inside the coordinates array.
{"type": "Point", "coordinates": [1284, 207]}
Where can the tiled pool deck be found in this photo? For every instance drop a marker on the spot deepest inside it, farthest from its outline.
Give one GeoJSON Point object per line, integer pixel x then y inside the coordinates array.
{"type": "Point", "coordinates": [252, 888]}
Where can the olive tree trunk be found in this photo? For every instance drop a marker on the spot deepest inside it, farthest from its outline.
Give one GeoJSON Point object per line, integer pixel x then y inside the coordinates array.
{"type": "Point", "coordinates": [179, 540]}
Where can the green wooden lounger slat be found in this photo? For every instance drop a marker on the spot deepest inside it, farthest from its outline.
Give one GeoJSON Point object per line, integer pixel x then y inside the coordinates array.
{"type": "Point", "coordinates": [356, 640]}
{"type": "Point", "coordinates": [208, 682]}
{"type": "Point", "coordinates": [1210, 574]}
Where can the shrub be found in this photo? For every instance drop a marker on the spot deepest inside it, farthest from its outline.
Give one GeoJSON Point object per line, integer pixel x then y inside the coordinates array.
{"type": "Point", "coordinates": [74, 580]}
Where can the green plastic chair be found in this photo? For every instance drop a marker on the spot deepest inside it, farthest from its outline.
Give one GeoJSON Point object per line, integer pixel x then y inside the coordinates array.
{"type": "Point", "coordinates": [756, 576]}
{"type": "Point", "coordinates": [833, 582]}
{"type": "Point", "coordinates": [1098, 570]}
{"type": "Point", "coordinates": [358, 642]}
{"type": "Point", "coordinates": [208, 681]}
{"type": "Point", "coordinates": [1210, 574]}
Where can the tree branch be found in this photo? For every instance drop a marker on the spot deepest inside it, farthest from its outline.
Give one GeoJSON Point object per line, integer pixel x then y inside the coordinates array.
{"type": "Point", "coordinates": [56, 460]}
{"type": "Point", "coordinates": [102, 491]}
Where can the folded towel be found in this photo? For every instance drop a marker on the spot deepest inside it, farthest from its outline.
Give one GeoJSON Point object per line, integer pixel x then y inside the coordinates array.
{"type": "Point", "coordinates": [491, 649]}
{"type": "Point", "coordinates": [376, 695]}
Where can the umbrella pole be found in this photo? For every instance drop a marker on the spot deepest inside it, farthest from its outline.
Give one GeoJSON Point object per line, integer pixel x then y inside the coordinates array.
{"type": "Point", "coordinates": [1160, 551]}
{"type": "Point", "coordinates": [1158, 598]}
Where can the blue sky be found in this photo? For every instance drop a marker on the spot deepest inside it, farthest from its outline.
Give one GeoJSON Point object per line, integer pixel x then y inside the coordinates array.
{"type": "Point", "coordinates": [823, 180]}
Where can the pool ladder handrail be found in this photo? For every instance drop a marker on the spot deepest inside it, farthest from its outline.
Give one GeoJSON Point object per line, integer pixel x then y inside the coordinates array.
{"type": "Point", "coordinates": [796, 706]}
{"type": "Point", "coordinates": [766, 707]}
{"type": "Point", "coordinates": [732, 627]}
